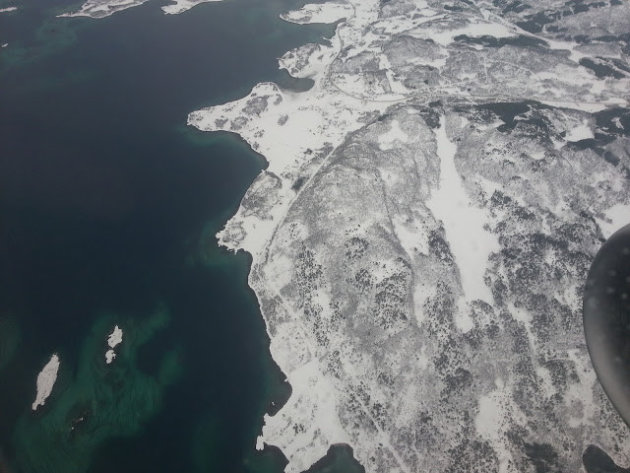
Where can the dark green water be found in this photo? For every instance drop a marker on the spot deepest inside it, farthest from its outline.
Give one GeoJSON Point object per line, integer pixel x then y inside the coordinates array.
{"type": "Point", "coordinates": [108, 210]}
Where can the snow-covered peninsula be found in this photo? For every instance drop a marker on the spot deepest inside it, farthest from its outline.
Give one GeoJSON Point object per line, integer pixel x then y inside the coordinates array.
{"type": "Point", "coordinates": [104, 8]}
{"type": "Point", "coordinates": [432, 334]}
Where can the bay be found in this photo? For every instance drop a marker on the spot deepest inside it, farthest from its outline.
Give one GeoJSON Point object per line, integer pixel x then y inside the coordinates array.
{"type": "Point", "coordinates": [108, 209]}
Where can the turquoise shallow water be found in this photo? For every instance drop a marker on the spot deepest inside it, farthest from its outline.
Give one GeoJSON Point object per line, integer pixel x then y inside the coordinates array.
{"type": "Point", "coordinates": [108, 210]}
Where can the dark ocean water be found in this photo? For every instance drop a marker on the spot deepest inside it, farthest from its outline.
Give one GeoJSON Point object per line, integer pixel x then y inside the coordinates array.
{"type": "Point", "coordinates": [108, 209]}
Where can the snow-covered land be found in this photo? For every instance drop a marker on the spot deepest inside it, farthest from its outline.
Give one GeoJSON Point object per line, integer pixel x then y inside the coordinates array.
{"type": "Point", "coordinates": [8, 9]}
{"type": "Point", "coordinates": [319, 13]}
{"type": "Point", "coordinates": [180, 6]}
{"type": "Point", "coordinates": [113, 340]}
{"type": "Point", "coordinates": [422, 234]}
{"type": "Point", "coordinates": [104, 8]}
{"type": "Point", "coordinates": [46, 381]}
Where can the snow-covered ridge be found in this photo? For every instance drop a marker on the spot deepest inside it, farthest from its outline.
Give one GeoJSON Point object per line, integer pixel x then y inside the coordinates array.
{"type": "Point", "coordinates": [8, 9]}
{"type": "Point", "coordinates": [423, 229]}
{"type": "Point", "coordinates": [46, 381]}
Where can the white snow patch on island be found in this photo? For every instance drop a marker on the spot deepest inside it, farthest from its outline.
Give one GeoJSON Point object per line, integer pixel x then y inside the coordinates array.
{"type": "Point", "coordinates": [104, 8]}
{"type": "Point", "coordinates": [494, 408]}
{"type": "Point", "coordinates": [46, 380]}
{"type": "Point", "coordinates": [580, 132]}
{"type": "Point", "coordinates": [386, 141]}
{"type": "Point", "coordinates": [616, 217]}
{"type": "Point", "coordinates": [115, 338]}
{"type": "Point", "coordinates": [8, 9]}
{"type": "Point", "coordinates": [318, 13]}
{"type": "Point", "coordinates": [313, 404]}
{"type": "Point", "coordinates": [471, 244]}
{"type": "Point", "coordinates": [181, 6]}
